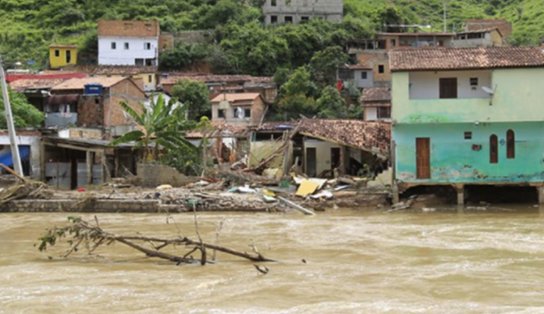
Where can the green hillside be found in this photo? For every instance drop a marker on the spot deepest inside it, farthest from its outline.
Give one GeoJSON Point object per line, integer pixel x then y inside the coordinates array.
{"type": "Point", "coordinates": [27, 27]}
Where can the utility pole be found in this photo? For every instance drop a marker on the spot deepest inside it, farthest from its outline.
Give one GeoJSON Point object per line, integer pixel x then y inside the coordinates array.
{"type": "Point", "coordinates": [9, 121]}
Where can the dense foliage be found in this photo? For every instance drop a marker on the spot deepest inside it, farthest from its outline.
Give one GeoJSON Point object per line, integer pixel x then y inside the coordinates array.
{"type": "Point", "coordinates": [24, 114]}
{"type": "Point", "coordinates": [27, 27]}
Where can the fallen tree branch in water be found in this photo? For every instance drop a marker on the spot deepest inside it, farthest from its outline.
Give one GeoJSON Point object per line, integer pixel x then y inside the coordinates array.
{"type": "Point", "coordinates": [82, 233]}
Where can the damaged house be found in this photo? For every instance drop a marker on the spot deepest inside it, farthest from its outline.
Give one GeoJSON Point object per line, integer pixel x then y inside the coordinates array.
{"type": "Point", "coordinates": [323, 147]}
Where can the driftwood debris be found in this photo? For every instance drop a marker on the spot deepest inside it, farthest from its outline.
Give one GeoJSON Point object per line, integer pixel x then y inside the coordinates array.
{"type": "Point", "coordinates": [82, 234]}
{"type": "Point", "coordinates": [24, 189]}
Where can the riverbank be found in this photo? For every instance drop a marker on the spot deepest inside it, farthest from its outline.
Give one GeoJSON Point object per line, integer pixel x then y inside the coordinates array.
{"type": "Point", "coordinates": [115, 199]}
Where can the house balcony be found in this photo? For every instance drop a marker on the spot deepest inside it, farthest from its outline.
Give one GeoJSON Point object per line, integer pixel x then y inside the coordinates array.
{"type": "Point", "coordinates": [60, 120]}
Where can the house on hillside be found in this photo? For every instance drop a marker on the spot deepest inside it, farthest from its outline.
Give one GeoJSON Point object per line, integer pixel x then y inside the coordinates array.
{"type": "Point", "coordinates": [357, 75]}
{"type": "Point", "coordinates": [240, 108]}
{"type": "Point", "coordinates": [145, 76]}
{"type": "Point", "coordinates": [218, 84]}
{"type": "Point", "coordinates": [93, 102]}
{"type": "Point", "coordinates": [134, 43]}
{"type": "Point", "coordinates": [490, 37]}
{"type": "Point", "coordinates": [62, 55]}
{"type": "Point", "coordinates": [468, 117]}
{"type": "Point", "coordinates": [297, 11]}
{"type": "Point", "coordinates": [503, 26]}
{"type": "Point", "coordinates": [376, 102]}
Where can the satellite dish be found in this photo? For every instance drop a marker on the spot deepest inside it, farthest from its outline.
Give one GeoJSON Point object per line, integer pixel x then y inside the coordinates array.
{"type": "Point", "coordinates": [488, 90]}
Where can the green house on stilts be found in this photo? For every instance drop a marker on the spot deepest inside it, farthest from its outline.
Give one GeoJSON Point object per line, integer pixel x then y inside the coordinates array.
{"type": "Point", "coordinates": [468, 116]}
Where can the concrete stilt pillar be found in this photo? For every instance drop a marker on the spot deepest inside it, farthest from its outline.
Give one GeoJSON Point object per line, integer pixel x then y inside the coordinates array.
{"type": "Point", "coordinates": [460, 194]}
{"type": "Point", "coordinates": [540, 190]}
{"type": "Point", "coordinates": [396, 194]}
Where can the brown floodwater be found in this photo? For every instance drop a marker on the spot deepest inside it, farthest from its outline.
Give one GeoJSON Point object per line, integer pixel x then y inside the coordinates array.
{"type": "Point", "coordinates": [357, 262]}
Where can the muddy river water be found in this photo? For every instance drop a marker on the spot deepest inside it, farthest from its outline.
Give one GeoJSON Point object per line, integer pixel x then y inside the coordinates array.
{"type": "Point", "coordinates": [356, 262]}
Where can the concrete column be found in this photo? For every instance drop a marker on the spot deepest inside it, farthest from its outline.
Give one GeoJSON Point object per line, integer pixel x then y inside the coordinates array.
{"type": "Point", "coordinates": [396, 194]}
{"type": "Point", "coordinates": [460, 188]}
{"type": "Point", "coordinates": [540, 190]}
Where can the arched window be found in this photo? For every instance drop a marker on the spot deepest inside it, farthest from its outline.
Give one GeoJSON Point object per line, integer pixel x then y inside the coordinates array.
{"type": "Point", "coordinates": [493, 149]}
{"type": "Point", "coordinates": [510, 144]}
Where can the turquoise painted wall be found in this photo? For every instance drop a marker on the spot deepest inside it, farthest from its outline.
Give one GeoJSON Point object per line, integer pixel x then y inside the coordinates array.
{"type": "Point", "coordinates": [519, 96]}
{"type": "Point", "coordinates": [454, 161]}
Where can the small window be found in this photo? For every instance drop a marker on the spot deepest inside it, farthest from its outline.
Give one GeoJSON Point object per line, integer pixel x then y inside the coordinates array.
{"type": "Point", "coordinates": [304, 18]}
{"type": "Point", "coordinates": [364, 75]}
{"type": "Point", "coordinates": [147, 46]}
{"type": "Point", "coordinates": [473, 81]}
{"type": "Point", "coordinates": [57, 53]}
{"type": "Point", "coordinates": [493, 149]}
{"type": "Point", "coordinates": [468, 135]}
{"type": "Point", "coordinates": [510, 144]}
{"type": "Point", "coordinates": [150, 78]}
{"type": "Point", "coordinates": [381, 68]}
{"type": "Point", "coordinates": [139, 62]}
{"type": "Point", "coordinates": [273, 19]}
{"type": "Point", "coordinates": [126, 46]}
{"type": "Point", "coordinates": [273, 3]}
{"type": "Point", "coordinates": [221, 113]}
{"type": "Point", "coordinates": [247, 113]}
{"type": "Point", "coordinates": [288, 19]}
{"type": "Point", "coordinates": [113, 45]}
{"type": "Point", "coordinates": [384, 112]}
{"type": "Point", "coordinates": [448, 88]}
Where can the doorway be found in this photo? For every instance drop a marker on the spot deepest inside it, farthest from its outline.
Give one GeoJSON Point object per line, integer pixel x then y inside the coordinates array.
{"type": "Point", "coordinates": [423, 158]}
{"type": "Point", "coordinates": [311, 162]}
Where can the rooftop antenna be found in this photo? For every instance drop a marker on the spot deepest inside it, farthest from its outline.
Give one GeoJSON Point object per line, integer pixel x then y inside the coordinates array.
{"type": "Point", "coordinates": [9, 121]}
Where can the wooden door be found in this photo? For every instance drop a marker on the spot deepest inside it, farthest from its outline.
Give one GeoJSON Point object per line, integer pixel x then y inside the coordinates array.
{"type": "Point", "coordinates": [311, 161]}
{"type": "Point", "coordinates": [423, 158]}
{"type": "Point", "coordinates": [493, 149]}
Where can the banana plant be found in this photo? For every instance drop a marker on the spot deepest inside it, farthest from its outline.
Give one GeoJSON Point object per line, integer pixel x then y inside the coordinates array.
{"type": "Point", "coordinates": [160, 127]}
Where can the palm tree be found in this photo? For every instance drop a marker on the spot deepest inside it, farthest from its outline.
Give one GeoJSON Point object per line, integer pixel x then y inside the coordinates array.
{"type": "Point", "coordinates": [160, 126]}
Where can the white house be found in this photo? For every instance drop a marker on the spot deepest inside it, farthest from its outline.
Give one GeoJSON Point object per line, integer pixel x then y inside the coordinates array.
{"type": "Point", "coordinates": [133, 43]}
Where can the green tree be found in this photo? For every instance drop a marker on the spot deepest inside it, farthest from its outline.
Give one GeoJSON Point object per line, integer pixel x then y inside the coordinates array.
{"type": "Point", "coordinates": [325, 63]}
{"type": "Point", "coordinates": [331, 104]}
{"type": "Point", "coordinates": [297, 96]}
{"type": "Point", "coordinates": [195, 97]}
{"type": "Point", "coordinates": [25, 115]}
{"type": "Point", "coordinates": [162, 127]}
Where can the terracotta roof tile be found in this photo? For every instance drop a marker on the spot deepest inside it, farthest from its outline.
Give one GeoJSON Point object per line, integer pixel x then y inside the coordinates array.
{"type": "Point", "coordinates": [374, 137]}
{"type": "Point", "coordinates": [24, 84]}
{"type": "Point", "coordinates": [128, 28]}
{"type": "Point", "coordinates": [79, 83]}
{"type": "Point", "coordinates": [376, 94]}
{"type": "Point", "coordinates": [436, 59]}
{"type": "Point", "coordinates": [504, 26]}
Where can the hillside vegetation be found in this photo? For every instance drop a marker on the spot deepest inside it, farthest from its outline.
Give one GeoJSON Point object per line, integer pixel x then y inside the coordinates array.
{"type": "Point", "coordinates": [27, 27]}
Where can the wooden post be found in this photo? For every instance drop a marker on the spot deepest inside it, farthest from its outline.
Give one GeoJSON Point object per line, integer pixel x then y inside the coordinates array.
{"type": "Point", "coordinates": [89, 169]}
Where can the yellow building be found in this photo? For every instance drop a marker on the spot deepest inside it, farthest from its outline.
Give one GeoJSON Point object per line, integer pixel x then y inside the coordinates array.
{"type": "Point", "coordinates": [62, 55]}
